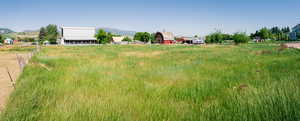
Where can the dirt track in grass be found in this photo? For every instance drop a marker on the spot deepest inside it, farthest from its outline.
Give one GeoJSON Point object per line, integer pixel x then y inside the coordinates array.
{"type": "Point", "coordinates": [8, 60]}
{"type": "Point", "coordinates": [294, 45]}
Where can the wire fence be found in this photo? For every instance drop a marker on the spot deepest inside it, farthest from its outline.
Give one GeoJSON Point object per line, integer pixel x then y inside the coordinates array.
{"type": "Point", "coordinates": [23, 60]}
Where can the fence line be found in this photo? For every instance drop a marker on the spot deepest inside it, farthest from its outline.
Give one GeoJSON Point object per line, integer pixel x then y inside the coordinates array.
{"type": "Point", "coordinates": [22, 62]}
{"type": "Point", "coordinates": [11, 79]}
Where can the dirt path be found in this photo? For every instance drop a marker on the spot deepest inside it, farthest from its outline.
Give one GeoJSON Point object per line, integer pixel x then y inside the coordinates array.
{"type": "Point", "coordinates": [8, 60]}
{"type": "Point", "coordinates": [293, 45]}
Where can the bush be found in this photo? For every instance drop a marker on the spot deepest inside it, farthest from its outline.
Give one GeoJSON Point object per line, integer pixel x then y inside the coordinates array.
{"type": "Point", "coordinates": [216, 37]}
{"type": "Point", "coordinates": [127, 39]}
{"type": "Point", "coordinates": [142, 36]}
{"type": "Point", "coordinates": [28, 39]}
{"type": "Point", "coordinates": [240, 38]}
{"type": "Point", "coordinates": [103, 37]}
{"type": "Point", "coordinates": [1, 39]}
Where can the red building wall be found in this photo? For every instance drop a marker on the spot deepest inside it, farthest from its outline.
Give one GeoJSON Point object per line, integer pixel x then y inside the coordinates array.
{"type": "Point", "coordinates": [168, 42]}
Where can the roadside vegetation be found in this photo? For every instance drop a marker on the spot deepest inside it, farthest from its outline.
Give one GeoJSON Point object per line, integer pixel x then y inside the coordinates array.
{"type": "Point", "coordinates": [248, 82]}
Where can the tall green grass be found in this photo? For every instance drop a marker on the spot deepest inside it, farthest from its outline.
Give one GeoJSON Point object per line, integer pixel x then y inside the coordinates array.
{"type": "Point", "coordinates": [173, 83]}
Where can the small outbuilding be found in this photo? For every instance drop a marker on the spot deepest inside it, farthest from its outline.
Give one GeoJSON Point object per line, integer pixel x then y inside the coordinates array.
{"type": "Point", "coordinates": [8, 41]}
{"type": "Point", "coordinates": [190, 40]}
{"type": "Point", "coordinates": [165, 37]}
{"type": "Point", "coordinates": [118, 39]}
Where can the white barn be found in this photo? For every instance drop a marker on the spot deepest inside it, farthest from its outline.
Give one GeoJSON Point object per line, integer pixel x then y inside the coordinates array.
{"type": "Point", "coordinates": [78, 35]}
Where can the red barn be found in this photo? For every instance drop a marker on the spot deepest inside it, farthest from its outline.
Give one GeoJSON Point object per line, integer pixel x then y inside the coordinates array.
{"type": "Point", "coordinates": [165, 37]}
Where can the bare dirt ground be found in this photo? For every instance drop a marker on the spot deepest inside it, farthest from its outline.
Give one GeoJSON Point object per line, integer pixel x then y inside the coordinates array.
{"type": "Point", "coordinates": [9, 61]}
{"type": "Point", "coordinates": [293, 45]}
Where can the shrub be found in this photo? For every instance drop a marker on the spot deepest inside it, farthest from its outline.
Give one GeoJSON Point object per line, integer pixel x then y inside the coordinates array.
{"type": "Point", "coordinates": [240, 38]}
{"type": "Point", "coordinates": [127, 39]}
{"type": "Point", "coordinates": [1, 39]}
{"type": "Point", "coordinates": [103, 37]}
{"type": "Point", "coordinates": [216, 37]}
{"type": "Point", "coordinates": [142, 36]}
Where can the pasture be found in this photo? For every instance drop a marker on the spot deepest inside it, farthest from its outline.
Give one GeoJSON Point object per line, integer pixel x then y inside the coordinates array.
{"type": "Point", "coordinates": [249, 82]}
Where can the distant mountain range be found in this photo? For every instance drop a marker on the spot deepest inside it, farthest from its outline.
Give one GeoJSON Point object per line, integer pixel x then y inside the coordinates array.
{"type": "Point", "coordinates": [117, 31]}
{"type": "Point", "coordinates": [111, 30]}
{"type": "Point", "coordinates": [31, 31]}
{"type": "Point", "coordinates": [5, 31]}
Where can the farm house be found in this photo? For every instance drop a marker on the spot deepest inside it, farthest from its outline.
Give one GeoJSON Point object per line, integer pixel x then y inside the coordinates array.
{"type": "Point", "coordinates": [9, 41]}
{"type": "Point", "coordinates": [78, 35]}
{"type": "Point", "coordinates": [188, 40]}
{"type": "Point", "coordinates": [117, 39]}
{"type": "Point", "coordinates": [165, 37]}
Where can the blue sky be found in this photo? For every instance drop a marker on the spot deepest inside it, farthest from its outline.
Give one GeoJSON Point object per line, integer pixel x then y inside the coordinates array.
{"type": "Point", "coordinates": [183, 17]}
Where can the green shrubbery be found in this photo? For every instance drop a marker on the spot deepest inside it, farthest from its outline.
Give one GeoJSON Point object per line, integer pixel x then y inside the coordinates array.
{"type": "Point", "coordinates": [240, 38]}
{"type": "Point", "coordinates": [275, 33]}
{"type": "Point", "coordinates": [104, 37]}
{"type": "Point", "coordinates": [49, 33]}
{"type": "Point", "coordinates": [1, 38]}
{"type": "Point", "coordinates": [142, 36]}
{"type": "Point", "coordinates": [127, 39]}
{"type": "Point", "coordinates": [217, 37]}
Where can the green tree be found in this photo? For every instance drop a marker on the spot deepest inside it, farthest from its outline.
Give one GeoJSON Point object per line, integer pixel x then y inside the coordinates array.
{"type": "Point", "coordinates": [255, 35]}
{"type": "Point", "coordinates": [240, 37]}
{"type": "Point", "coordinates": [142, 36]}
{"type": "Point", "coordinates": [109, 37]}
{"type": "Point", "coordinates": [51, 33]}
{"type": "Point", "coordinates": [103, 37]}
{"type": "Point", "coordinates": [216, 37]}
{"type": "Point", "coordinates": [146, 37]}
{"type": "Point", "coordinates": [264, 34]}
{"type": "Point", "coordinates": [152, 38]}
{"type": "Point", "coordinates": [286, 30]}
{"type": "Point", "coordinates": [298, 35]}
{"type": "Point", "coordinates": [127, 39]}
{"type": "Point", "coordinates": [42, 34]}
{"type": "Point", "coordinates": [208, 39]}
{"type": "Point", "coordinates": [1, 38]}
{"type": "Point", "coordinates": [138, 36]}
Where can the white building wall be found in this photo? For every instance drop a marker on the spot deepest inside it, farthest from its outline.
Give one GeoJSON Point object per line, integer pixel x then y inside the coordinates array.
{"type": "Point", "coordinates": [88, 32]}
{"type": "Point", "coordinates": [77, 34]}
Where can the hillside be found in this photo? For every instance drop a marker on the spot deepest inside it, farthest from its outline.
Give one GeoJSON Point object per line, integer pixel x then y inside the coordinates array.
{"type": "Point", "coordinates": [118, 31]}
{"type": "Point", "coordinates": [5, 31]}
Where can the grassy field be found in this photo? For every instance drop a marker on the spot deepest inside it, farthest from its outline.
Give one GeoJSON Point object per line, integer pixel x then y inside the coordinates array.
{"type": "Point", "coordinates": [254, 82]}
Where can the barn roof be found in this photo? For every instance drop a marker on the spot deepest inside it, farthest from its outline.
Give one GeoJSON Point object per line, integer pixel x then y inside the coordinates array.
{"type": "Point", "coordinates": [78, 33]}
{"type": "Point", "coordinates": [168, 35]}
{"type": "Point", "coordinates": [79, 28]}
{"type": "Point", "coordinates": [80, 38]}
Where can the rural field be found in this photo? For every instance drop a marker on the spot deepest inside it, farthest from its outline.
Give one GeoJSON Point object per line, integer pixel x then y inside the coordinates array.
{"type": "Point", "coordinates": [251, 82]}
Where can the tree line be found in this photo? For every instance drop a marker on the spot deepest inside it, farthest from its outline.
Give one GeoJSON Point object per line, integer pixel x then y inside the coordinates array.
{"type": "Point", "coordinates": [219, 37]}
{"type": "Point", "coordinates": [106, 37]}
{"type": "Point", "coordinates": [49, 33]}
{"type": "Point", "coordinates": [1, 38]}
{"type": "Point", "coordinates": [275, 33]}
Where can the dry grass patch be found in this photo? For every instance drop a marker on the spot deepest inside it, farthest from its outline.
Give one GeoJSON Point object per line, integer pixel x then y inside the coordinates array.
{"type": "Point", "coordinates": [142, 54]}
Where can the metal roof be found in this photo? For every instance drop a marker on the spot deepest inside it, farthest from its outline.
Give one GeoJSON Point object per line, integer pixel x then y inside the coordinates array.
{"type": "Point", "coordinates": [168, 35]}
{"type": "Point", "coordinates": [79, 38]}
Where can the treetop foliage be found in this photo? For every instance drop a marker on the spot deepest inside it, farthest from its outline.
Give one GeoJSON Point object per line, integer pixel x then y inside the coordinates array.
{"type": "Point", "coordinates": [103, 37]}
{"type": "Point", "coordinates": [143, 36]}
{"type": "Point", "coordinates": [49, 33]}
